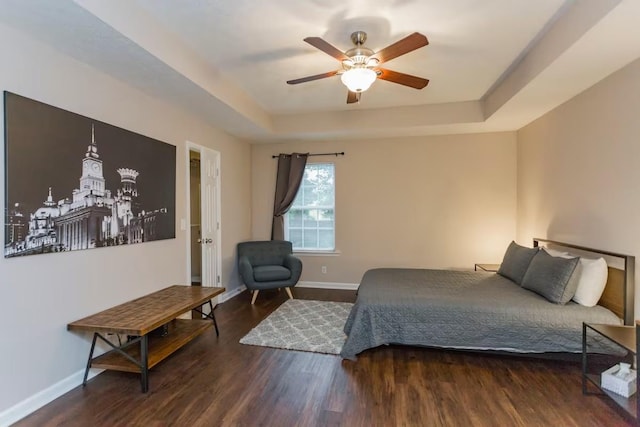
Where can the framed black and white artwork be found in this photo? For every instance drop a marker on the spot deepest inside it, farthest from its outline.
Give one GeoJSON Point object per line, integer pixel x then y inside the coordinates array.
{"type": "Point", "coordinates": [75, 183]}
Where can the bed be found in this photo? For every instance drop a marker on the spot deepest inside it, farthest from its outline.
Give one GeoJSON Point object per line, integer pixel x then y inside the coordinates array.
{"type": "Point", "coordinates": [479, 310]}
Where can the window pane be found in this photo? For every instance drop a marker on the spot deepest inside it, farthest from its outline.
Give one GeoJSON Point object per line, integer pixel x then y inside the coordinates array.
{"type": "Point", "coordinates": [310, 239]}
{"type": "Point", "coordinates": [325, 215]}
{"type": "Point", "coordinates": [310, 218]}
{"type": "Point", "coordinates": [295, 218]}
{"type": "Point", "coordinates": [325, 196]}
{"type": "Point", "coordinates": [301, 196]}
{"type": "Point", "coordinates": [297, 202]}
{"type": "Point", "coordinates": [295, 236]}
{"type": "Point", "coordinates": [326, 239]}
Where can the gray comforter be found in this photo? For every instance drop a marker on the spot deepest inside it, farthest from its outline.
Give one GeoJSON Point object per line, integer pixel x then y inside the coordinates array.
{"type": "Point", "coordinates": [462, 309]}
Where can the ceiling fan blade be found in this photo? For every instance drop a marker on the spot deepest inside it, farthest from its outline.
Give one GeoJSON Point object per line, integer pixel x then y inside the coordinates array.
{"type": "Point", "coordinates": [406, 45]}
{"type": "Point", "coordinates": [311, 78]}
{"type": "Point", "coordinates": [330, 50]}
{"type": "Point", "coordinates": [353, 97]}
{"type": "Point", "coordinates": [403, 79]}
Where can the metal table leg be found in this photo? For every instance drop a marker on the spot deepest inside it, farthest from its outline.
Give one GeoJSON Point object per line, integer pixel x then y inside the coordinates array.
{"type": "Point", "coordinates": [211, 315]}
{"type": "Point", "coordinates": [584, 358]}
{"type": "Point", "coordinates": [86, 371]}
{"type": "Point", "coordinates": [144, 362]}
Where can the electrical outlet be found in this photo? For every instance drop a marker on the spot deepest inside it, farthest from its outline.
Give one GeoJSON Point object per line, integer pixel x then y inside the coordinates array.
{"type": "Point", "coordinates": [324, 269]}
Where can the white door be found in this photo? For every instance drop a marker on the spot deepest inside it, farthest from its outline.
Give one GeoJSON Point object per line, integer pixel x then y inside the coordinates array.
{"type": "Point", "coordinates": [210, 216]}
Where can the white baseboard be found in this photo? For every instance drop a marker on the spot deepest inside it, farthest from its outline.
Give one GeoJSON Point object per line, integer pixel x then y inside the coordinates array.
{"type": "Point", "coordinates": [38, 400]}
{"type": "Point", "coordinates": [231, 293]}
{"type": "Point", "coordinates": [302, 284]}
{"type": "Point", "coordinates": [328, 285]}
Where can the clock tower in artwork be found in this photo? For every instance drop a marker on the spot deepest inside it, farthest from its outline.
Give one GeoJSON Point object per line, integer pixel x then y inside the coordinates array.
{"type": "Point", "coordinates": [92, 179]}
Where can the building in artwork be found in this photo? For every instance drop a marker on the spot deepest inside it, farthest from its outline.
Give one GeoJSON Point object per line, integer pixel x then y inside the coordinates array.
{"type": "Point", "coordinates": [92, 217]}
{"type": "Point", "coordinates": [16, 226]}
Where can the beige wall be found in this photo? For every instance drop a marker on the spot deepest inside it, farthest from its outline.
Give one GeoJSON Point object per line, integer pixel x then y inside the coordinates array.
{"type": "Point", "coordinates": [579, 169]}
{"type": "Point", "coordinates": [435, 202]}
{"type": "Point", "coordinates": [40, 294]}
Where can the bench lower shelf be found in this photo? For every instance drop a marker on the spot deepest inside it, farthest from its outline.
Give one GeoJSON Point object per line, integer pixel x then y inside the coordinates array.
{"type": "Point", "coordinates": [181, 332]}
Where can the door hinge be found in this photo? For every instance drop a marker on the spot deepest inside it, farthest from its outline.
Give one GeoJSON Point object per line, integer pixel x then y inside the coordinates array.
{"type": "Point", "coordinates": [217, 172]}
{"type": "Point", "coordinates": [217, 226]}
{"type": "Point", "coordinates": [218, 279]}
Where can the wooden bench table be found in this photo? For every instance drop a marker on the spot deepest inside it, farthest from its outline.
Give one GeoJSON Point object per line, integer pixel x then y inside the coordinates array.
{"type": "Point", "coordinates": [137, 318]}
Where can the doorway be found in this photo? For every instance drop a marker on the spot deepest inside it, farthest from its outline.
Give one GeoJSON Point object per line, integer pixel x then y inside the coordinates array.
{"type": "Point", "coordinates": [204, 230]}
{"type": "Point", "coordinates": [195, 228]}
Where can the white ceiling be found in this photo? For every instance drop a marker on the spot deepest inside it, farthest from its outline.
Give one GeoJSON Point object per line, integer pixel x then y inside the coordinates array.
{"type": "Point", "coordinates": [492, 64]}
{"type": "Point", "coordinates": [260, 45]}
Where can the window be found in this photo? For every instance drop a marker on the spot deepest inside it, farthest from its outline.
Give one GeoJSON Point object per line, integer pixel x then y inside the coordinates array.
{"type": "Point", "coordinates": [310, 223]}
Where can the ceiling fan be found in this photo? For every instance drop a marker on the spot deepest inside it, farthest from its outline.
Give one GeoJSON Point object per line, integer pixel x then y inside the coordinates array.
{"type": "Point", "coordinates": [361, 66]}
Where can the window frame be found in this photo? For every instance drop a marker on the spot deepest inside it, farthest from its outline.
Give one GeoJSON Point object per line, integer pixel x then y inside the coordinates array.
{"type": "Point", "coordinates": [316, 250]}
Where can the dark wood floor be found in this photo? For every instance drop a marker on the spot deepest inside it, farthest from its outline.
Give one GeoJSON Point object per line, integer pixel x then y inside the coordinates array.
{"type": "Point", "coordinates": [219, 382]}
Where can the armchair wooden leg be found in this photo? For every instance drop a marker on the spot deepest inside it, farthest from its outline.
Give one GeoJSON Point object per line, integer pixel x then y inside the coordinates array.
{"type": "Point", "coordinates": [255, 295]}
{"type": "Point", "coordinates": [289, 292]}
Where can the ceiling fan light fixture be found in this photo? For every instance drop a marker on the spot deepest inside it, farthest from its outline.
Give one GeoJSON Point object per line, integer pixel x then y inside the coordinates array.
{"type": "Point", "coordinates": [358, 79]}
{"type": "Point", "coordinates": [360, 65]}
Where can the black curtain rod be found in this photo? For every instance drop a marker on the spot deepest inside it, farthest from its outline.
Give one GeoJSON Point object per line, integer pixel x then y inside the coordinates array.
{"type": "Point", "coordinates": [314, 154]}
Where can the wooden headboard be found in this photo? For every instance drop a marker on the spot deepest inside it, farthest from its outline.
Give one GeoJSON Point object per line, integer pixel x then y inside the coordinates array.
{"type": "Point", "coordinates": [618, 295]}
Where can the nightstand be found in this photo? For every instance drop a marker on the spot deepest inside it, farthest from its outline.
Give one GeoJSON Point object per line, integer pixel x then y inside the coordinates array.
{"type": "Point", "coordinates": [487, 267]}
{"type": "Point", "coordinates": [622, 336]}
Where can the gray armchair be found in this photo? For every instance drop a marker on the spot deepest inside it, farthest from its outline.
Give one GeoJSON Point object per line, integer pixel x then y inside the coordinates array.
{"type": "Point", "coordinates": [268, 264]}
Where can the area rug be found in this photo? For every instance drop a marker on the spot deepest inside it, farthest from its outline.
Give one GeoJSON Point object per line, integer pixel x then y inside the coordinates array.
{"type": "Point", "coordinates": [303, 325]}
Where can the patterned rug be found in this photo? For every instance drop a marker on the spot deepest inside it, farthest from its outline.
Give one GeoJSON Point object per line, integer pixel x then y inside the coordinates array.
{"type": "Point", "coordinates": [304, 325]}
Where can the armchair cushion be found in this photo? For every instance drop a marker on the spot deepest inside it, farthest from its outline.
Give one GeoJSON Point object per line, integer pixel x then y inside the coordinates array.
{"type": "Point", "coordinates": [269, 273]}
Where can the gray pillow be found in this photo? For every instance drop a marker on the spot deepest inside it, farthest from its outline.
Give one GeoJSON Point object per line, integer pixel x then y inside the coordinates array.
{"type": "Point", "coordinates": [552, 277]}
{"type": "Point", "coordinates": [516, 261]}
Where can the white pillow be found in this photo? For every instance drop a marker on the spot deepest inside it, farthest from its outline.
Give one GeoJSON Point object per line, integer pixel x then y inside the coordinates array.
{"type": "Point", "coordinates": [555, 253]}
{"type": "Point", "coordinates": [592, 280]}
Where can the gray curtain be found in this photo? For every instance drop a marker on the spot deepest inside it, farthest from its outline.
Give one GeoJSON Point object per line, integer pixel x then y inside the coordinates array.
{"type": "Point", "coordinates": [288, 179]}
